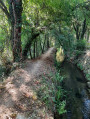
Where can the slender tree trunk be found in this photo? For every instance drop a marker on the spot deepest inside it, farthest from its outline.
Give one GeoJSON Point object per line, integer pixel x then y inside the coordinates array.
{"type": "Point", "coordinates": [30, 53]}
{"type": "Point", "coordinates": [41, 46]}
{"type": "Point", "coordinates": [45, 43]}
{"type": "Point", "coordinates": [16, 22]}
{"type": "Point", "coordinates": [83, 29]}
{"type": "Point", "coordinates": [34, 49]}
{"type": "Point", "coordinates": [48, 46]}
{"type": "Point", "coordinates": [76, 28]}
{"type": "Point", "coordinates": [87, 34]}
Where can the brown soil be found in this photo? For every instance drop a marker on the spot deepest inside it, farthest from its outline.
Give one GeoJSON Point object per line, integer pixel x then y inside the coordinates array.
{"type": "Point", "coordinates": [18, 97]}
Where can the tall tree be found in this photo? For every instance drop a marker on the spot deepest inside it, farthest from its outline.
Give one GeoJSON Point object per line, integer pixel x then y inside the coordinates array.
{"type": "Point", "coordinates": [16, 23]}
{"type": "Point", "coordinates": [14, 16]}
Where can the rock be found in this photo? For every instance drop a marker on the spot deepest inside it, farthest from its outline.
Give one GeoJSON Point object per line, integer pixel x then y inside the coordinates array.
{"type": "Point", "coordinates": [88, 84]}
{"type": "Point", "coordinates": [20, 116]}
{"type": "Point", "coordinates": [15, 64]}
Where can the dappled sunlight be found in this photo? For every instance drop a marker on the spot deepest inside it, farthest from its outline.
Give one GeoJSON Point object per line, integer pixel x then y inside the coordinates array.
{"type": "Point", "coordinates": [88, 53]}
{"type": "Point", "coordinates": [25, 75]}
{"type": "Point", "coordinates": [49, 53]}
{"type": "Point", "coordinates": [60, 55]}
{"type": "Point", "coordinates": [4, 112]}
{"type": "Point", "coordinates": [85, 62]}
{"type": "Point", "coordinates": [26, 90]}
{"type": "Point", "coordinates": [36, 38]}
{"type": "Point", "coordinates": [19, 93]}
{"type": "Point", "coordinates": [14, 93]}
{"type": "Point", "coordinates": [86, 57]}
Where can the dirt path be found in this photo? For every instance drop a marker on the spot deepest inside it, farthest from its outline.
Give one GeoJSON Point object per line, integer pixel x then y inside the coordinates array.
{"type": "Point", "coordinates": [18, 98]}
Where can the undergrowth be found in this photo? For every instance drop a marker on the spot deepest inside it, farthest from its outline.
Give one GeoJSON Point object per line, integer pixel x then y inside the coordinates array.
{"type": "Point", "coordinates": [52, 94]}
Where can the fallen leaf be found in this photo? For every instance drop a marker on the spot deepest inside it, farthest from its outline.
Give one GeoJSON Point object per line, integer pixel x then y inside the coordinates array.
{"type": "Point", "coordinates": [13, 116]}
{"type": "Point", "coordinates": [34, 97]}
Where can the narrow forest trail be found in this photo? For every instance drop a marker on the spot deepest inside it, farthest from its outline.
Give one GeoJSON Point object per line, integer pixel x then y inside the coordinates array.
{"type": "Point", "coordinates": [18, 98]}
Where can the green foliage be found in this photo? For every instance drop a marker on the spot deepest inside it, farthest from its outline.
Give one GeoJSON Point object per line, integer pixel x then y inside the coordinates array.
{"type": "Point", "coordinates": [61, 107]}
{"type": "Point", "coordinates": [78, 53]}
{"type": "Point", "coordinates": [81, 44]}
{"type": "Point", "coordinates": [80, 66]}
{"type": "Point", "coordinates": [88, 76]}
{"type": "Point", "coordinates": [56, 17]}
{"type": "Point", "coordinates": [64, 37]}
{"type": "Point", "coordinates": [52, 93]}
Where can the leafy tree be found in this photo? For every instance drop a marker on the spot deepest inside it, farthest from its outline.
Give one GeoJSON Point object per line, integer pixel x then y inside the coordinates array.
{"type": "Point", "coordinates": [14, 17]}
{"type": "Point", "coordinates": [61, 19]}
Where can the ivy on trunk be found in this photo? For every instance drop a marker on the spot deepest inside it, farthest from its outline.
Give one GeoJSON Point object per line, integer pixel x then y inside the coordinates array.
{"type": "Point", "coordinates": [14, 16]}
{"type": "Point", "coordinates": [16, 23]}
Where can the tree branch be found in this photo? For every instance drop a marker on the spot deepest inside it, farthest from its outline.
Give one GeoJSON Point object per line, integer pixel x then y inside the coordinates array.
{"type": "Point", "coordinates": [74, 26]}
{"type": "Point", "coordinates": [28, 44]}
{"type": "Point", "coordinates": [4, 9]}
{"type": "Point", "coordinates": [84, 28]}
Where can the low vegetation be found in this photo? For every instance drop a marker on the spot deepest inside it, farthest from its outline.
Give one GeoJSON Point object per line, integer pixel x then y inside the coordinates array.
{"type": "Point", "coordinates": [52, 93]}
{"type": "Point", "coordinates": [28, 28]}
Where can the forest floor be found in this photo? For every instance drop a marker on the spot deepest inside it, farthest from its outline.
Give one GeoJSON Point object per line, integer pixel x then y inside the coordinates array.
{"type": "Point", "coordinates": [18, 93]}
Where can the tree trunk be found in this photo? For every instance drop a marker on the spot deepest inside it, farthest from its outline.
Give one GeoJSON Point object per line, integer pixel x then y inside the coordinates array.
{"type": "Point", "coordinates": [87, 34]}
{"type": "Point", "coordinates": [83, 29]}
{"type": "Point", "coordinates": [41, 45]}
{"type": "Point", "coordinates": [16, 22]}
{"type": "Point", "coordinates": [28, 44]}
{"type": "Point", "coordinates": [48, 46]}
{"type": "Point", "coordinates": [34, 49]}
{"type": "Point", "coordinates": [76, 28]}
{"type": "Point", "coordinates": [80, 33]}
{"type": "Point", "coordinates": [14, 17]}
{"type": "Point", "coordinates": [30, 53]}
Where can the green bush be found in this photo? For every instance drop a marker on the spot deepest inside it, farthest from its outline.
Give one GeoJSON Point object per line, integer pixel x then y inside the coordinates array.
{"type": "Point", "coordinates": [78, 53]}
{"type": "Point", "coordinates": [80, 66]}
{"type": "Point", "coordinates": [88, 76]}
{"type": "Point", "coordinates": [81, 44]}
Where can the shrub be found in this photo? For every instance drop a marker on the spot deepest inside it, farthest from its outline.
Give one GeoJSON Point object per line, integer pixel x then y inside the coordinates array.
{"type": "Point", "coordinates": [88, 76]}
{"type": "Point", "coordinates": [81, 44]}
{"type": "Point", "coordinates": [80, 66]}
{"type": "Point", "coordinates": [78, 53]}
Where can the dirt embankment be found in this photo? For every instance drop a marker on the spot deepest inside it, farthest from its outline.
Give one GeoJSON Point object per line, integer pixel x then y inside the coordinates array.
{"type": "Point", "coordinates": [18, 97]}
